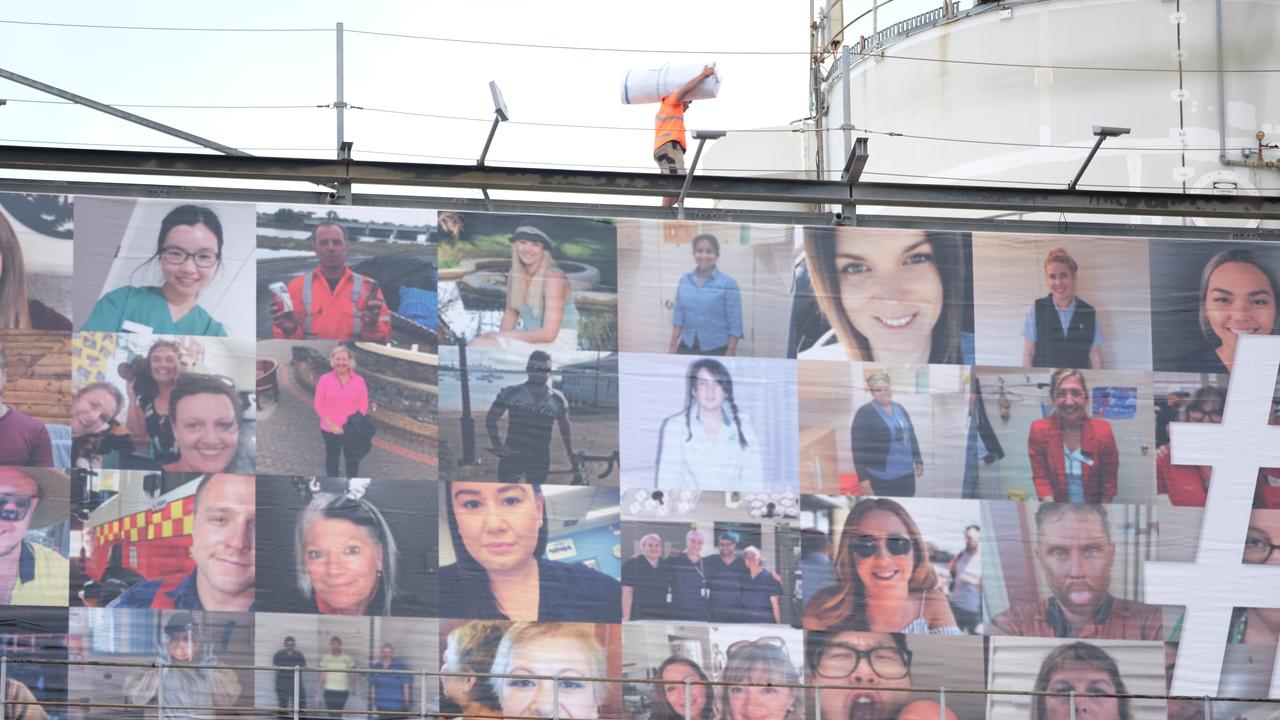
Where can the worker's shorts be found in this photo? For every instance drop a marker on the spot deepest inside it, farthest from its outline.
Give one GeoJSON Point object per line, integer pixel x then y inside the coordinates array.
{"type": "Point", "coordinates": [670, 158]}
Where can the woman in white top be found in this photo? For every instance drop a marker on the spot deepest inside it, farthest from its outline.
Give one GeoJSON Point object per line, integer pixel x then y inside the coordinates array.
{"type": "Point", "coordinates": [709, 445]}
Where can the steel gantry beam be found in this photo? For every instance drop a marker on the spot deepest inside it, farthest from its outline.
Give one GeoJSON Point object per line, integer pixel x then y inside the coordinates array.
{"type": "Point", "coordinates": [764, 190]}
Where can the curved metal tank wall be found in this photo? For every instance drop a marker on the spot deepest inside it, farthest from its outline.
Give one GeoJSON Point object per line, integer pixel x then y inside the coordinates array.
{"type": "Point", "coordinates": [1056, 107]}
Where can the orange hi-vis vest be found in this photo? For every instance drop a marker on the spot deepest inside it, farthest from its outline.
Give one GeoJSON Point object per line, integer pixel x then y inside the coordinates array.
{"type": "Point", "coordinates": [668, 124]}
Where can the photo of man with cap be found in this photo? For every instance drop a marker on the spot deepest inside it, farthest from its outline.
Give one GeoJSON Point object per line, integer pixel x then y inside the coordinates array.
{"type": "Point", "coordinates": [223, 547]}
{"type": "Point", "coordinates": [532, 408]}
{"type": "Point", "coordinates": [184, 687]}
{"type": "Point", "coordinates": [540, 312]}
{"type": "Point", "coordinates": [32, 499]}
{"type": "Point", "coordinates": [331, 302]}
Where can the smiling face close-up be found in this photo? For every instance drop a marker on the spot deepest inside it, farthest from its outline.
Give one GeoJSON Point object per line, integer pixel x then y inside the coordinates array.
{"type": "Point", "coordinates": [187, 277]}
{"type": "Point", "coordinates": [164, 365]}
{"type": "Point", "coordinates": [1070, 401]}
{"type": "Point", "coordinates": [206, 433]}
{"type": "Point", "coordinates": [1081, 678]}
{"type": "Point", "coordinates": [331, 249]}
{"type": "Point", "coordinates": [1239, 300]}
{"type": "Point", "coordinates": [498, 523]}
{"type": "Point", "coordinates": [674, 675]}
{"type": "Point", "coordinates": [760, 703]}
{"type": "Point", "coordinates": [708, 393]}
{"type": "Point", "coordinates": [881, 392]}
{"type": "Point", "coordinates": [19, 496]}
{"type": "Point", "coordinates": [651, 547]}
{"type": "Point", "coordinates": [884, 574]}
{"type": "Point", "coordinates": [1061, 282]}
{"type": "Point", "coordinates": [856, 687]}
{"type": "Point", "coordinates": [529, 251]}
{"type": "Point", "coordinates": [89, 409]}
{"type": "Point", "coordinates": [223, 540]}
{"type": "Point", "coordinates": [343, 563]}
{"type": "Point", "coordinates": [705, 255]}
{"type": "Point", "coordinates": [560, 657]}
{"type": "Point", "coordinates": [891, 291]}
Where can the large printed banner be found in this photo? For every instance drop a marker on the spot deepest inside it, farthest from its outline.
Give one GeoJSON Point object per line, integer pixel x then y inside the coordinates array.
{"type": "Point", "coordinates": [879, 461]}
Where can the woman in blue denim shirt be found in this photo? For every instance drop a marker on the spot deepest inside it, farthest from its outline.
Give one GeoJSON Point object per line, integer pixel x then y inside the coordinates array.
{"type": "Point", "coordinates": [708, 314]}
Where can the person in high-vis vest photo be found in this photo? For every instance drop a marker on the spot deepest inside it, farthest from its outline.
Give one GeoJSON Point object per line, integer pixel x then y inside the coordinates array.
{"type": "Point", "coordinates": [331, 302]}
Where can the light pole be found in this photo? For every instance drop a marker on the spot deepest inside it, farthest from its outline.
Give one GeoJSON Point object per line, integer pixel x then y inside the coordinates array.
{"type": "Point", "coordinates": [1102, 132]}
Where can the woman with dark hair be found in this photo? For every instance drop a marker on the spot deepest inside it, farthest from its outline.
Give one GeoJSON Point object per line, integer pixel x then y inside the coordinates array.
{"type": "Point", "coordinates": [206, 413]}
{"type": "Point", "coordinates": [765, 664]}
{"type": "Point", "coordinates": [669, 697]}
{"type": "Point", "coordinates": [1085, 670]}
{"type": "Point", "coordinates": [1073, 456]}
{"type": "Point", "coordinates": [864, 675]}
{"type": "Point", "coordinates": [886, 453]}
{"type": "Point", "coordinates": [709, 445]}
{"type": "Point", "coordinates": [189, 254]}
{"type": "Point", "coordinates": [1188, 485]}
{"type": "Point", "coordinates": [884, 580]}
{"type": "Point", "coordinates": [707, 319]}
{"type": "Point", "coordinates": [1237, 297]}
{"type": "Point", "coordinates": [345, 554]}
{"type": "Point", "coordinates": [499, 534]}
{"type": "Point", "coordinates": [890, 296]}
{"type": "Point", "coordinates": [17, 310]}
{"type": "Point", "coordinates": [150, 385]}
{"type": "Point", "coordinates": [540, 312]}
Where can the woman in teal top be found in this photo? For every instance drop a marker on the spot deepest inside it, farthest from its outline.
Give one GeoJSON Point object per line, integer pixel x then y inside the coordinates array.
{"type": "Point", "coordinates": [189, 252]}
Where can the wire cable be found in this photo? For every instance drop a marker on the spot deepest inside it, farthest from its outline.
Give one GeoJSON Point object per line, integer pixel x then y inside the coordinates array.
{"type": "Point", "coordinates": [91, 26]}
{"type": "Point", "coordinates": [32, 101]}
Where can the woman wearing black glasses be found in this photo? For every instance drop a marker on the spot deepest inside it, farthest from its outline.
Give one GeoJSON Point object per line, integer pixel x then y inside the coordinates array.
{"type": "Point", "coordinates": [884, 581]}
{"type": "Point", "coordinates": [189, 254]}
{"type": "Point", "coordinates": [766, 664]}
{"type": "Point", "coordinates": [886, 453]}
{"type": "Point", "coordinates": [864, 676]}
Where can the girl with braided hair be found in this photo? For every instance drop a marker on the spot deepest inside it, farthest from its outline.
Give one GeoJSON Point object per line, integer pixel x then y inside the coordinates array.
{"type": "Point", "coordinates": [709, 445]}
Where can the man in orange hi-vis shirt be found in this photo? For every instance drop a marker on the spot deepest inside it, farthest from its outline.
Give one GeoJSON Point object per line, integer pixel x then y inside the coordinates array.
{"type": "Point", "coordinates": [331, 302]}
{"type": "Point", "coordinates": [668, 141]}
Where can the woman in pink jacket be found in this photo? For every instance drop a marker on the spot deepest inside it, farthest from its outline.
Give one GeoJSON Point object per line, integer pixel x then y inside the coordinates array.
{"type": "Point", "coordinates": [340, 394]}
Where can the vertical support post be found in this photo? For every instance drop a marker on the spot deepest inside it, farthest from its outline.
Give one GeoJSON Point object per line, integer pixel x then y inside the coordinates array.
{"type": "Point", "coordinates": [160, 690]}
{"type": "Point", "coordinates": [875, 23]}
{"type": "Point", "coordinates": [817, 702]}
{"type": "Point", "coordinates": [1208, 708]}
{"type": "Point", "coordinates": [4, 687]}
{"type": "Point", "coordinates": [942, 702]}
{"type": "Point", "coordinates": [555, 698]}
{"type": "Point", "coordinates": [340, 104]}
{"type": "Point", "coordinates": [1072, 705]}
{"type": "Point", "coordinates": [422, 696]}
{"type": "Point", "coordinates": [467, 422]}
{"type": "Point", "coordinates": [846, 128]}
{"type": "Point", "coordinates": [297, 690]}
{"type": "Point", "coordinates": [688, 698]}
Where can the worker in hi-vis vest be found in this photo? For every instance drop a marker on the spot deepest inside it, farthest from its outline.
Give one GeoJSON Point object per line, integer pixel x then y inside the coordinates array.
{"type": "Point", "coordinates": [331, 302]}
{"type": "Point", "coordinates": [668, 128]}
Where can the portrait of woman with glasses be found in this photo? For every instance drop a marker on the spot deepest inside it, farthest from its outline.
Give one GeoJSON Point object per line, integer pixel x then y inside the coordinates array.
{"type": "Point", "coordinates": [765, 663]}
{"type": "Point", "coordinates": [1259, 626]}
{"type": "Point", "coordinates": [886, 453]}
{"type": "Point", "coordinates": [188, 255]}
{"type": "Point", "coordinates": [865, 676]}
{"type": "Point", "coordinates": [884, 581]}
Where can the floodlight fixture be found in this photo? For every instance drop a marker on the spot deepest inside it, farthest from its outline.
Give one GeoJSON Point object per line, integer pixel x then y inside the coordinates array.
{"type": "Point", "coordinates": [1102, 132]}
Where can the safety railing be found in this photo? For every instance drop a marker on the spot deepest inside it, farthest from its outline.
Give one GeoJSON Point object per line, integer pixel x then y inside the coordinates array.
{"type": "Point", "coordinates": [809, 692]}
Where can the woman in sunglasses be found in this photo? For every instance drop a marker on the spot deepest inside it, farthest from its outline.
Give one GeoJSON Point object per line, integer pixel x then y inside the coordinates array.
{"type": "Point", "coordinates": [886, 453]}
{"type": "Point", "coordinates": [884, 581]}
{"type": "Point", "coordinates": [864, 676]}
{"type": "Point", "coordinates": [189, 254]}
{"type": "Point", "coordinates": [763, 663]}
{"type": "Point", "coordinates": [1188, 485]}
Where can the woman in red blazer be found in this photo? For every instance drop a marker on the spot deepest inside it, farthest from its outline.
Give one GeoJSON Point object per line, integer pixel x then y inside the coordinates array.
{"type": "Point", "coordinates": [1073, 456]}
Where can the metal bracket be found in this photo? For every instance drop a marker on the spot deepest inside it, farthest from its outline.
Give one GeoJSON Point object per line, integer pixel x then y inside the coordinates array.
{"type": "Point", "coordinates": [850, 175]}
{"type": "Point", "coordinates": [341, 194]}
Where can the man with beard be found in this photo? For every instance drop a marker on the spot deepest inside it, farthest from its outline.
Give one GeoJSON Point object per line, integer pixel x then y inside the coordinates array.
{"type": "Point", "coordinates": [1075, 553]}
{"type": "Point", "coordinates": [726, 573]}
{"type": "Point", "coordinates": [223, 548]}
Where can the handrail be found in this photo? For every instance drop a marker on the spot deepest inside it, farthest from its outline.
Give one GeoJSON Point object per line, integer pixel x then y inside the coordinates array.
{"type": "Point", "coordinates": [7, 661]}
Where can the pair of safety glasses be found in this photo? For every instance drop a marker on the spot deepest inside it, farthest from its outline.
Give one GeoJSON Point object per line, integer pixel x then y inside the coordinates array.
{"type": "Point", "coordinates": [864, 546]}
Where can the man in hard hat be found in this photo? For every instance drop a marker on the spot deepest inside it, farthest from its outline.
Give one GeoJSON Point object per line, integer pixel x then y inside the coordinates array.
{"type": "Point", "coordinates": [332, 302]}
{"type": "Point", "coordinates": [668, 141]}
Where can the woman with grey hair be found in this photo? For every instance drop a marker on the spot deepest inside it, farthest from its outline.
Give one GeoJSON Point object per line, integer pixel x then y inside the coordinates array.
{"type": "Point", "coordinates": [470, 648]}
{"type": "Point", "coordinates": [345, 555]}
{"type": "Point", "coordinates": [886, 452]}
{"type": "Point", "coordinates": [570, 652]}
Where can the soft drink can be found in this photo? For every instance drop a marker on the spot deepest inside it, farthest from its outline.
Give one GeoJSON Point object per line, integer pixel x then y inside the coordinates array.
{"type": "Point", "coordinates": [280, 291]}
